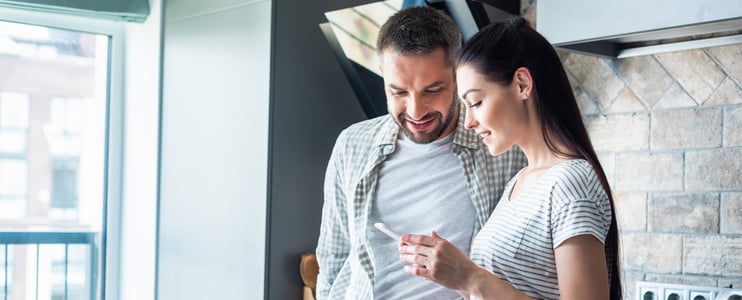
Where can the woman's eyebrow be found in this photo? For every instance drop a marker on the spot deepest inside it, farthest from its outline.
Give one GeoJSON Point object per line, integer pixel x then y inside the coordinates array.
{"type": "Point", "coordinates": [469, 91]}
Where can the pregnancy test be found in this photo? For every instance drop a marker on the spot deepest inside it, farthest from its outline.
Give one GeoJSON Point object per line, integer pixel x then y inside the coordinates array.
{"type": "Point", "coordinates": [388, 231]}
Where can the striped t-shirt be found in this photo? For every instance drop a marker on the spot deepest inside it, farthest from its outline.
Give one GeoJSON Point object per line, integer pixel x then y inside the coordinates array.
{"type": "Point", "coordinates": [517, 243]}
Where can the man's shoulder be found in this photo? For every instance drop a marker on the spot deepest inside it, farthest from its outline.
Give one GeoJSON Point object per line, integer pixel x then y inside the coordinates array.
{"type": "Point", "coordinates": [371, 125]}
{"type": "Point", "coordinates": [365, 131]}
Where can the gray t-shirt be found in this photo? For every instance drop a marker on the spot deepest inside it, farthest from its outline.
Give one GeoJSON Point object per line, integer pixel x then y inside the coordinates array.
{"type": "Point", "coordinates": [421, 188]}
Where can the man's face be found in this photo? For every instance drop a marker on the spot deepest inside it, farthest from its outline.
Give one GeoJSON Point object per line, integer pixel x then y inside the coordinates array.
{"type": "Point", "coordinates": [420, 93]}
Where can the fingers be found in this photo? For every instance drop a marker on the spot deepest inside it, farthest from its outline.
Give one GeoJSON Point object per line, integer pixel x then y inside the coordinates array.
{"type": "Point", "coordinates": [419, 249]}
{"type": "Point", "coordinates": [419, 239]}
{"type": "Point", "coordinates": [421, 244]}
{"type": "Point", "coordinates": [418, 260]}
{"type": "Point", "coordinates": [417, 270]}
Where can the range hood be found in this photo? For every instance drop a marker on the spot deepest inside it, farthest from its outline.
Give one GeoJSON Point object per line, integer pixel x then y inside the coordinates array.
{"type": "Point", "coordinates": [628, 28]}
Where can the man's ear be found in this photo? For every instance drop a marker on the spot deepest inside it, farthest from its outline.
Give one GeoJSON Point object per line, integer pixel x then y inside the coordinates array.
{"type": "Point", "coordinates": [524, 80]}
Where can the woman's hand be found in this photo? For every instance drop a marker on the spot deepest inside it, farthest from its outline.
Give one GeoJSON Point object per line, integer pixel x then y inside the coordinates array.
{"type": "Point", "coordinates": [437, 260]}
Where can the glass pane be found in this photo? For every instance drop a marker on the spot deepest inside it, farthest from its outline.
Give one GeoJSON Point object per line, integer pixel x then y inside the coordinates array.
{"type": "Point", "coordinates": [357, 28]}
{"type": "Point", "coordinates": [14, 110]}
{"type": "Point", "coordinates": [52, 161]}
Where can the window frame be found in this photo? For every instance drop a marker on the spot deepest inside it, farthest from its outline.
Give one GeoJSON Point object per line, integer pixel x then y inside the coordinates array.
{"type": "Point", "coordinates": [113, 160]}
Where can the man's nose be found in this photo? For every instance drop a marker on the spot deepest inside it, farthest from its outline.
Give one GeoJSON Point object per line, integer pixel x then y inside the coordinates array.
{"type": "Point", "coordinates": [416, 107]}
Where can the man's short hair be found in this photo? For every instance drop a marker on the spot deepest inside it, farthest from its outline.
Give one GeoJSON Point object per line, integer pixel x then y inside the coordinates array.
{"type": "Point", "coordinates": [420, 30]}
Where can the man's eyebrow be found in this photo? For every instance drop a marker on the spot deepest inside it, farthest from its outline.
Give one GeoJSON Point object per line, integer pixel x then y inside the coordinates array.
{"type": "Point", "coordinates": [429, 86]}
{"type": "Point", "coordinates": [434, 84]}
{"type": "Point", "coordinates": [463, 96]}
{"type": "Point", "coordinates": [394, 87]}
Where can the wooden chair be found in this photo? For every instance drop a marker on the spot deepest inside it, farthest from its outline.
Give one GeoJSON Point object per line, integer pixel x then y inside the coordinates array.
{"type": "Point", "coordinates": [308, 268]}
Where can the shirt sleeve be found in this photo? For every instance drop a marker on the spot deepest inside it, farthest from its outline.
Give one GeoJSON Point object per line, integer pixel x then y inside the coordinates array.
{"type": "Point", "coordinates": [580, 206]}
{"type": "Point", "coordinates": [333, 245]}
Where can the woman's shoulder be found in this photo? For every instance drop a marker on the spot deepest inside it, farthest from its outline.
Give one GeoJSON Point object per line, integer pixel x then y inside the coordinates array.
{"type": "Point", "coordinates": [575, 179]}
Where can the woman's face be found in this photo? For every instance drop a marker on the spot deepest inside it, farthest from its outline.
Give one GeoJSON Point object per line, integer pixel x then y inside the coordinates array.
{"type": "Point", "coordinates": [496, 112]}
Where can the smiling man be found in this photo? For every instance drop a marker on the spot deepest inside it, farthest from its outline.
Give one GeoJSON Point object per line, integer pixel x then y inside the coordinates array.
{"type": "Point", "coordinates": [416, 169]}
{"type": "Point", "coordinates": [420, 92]}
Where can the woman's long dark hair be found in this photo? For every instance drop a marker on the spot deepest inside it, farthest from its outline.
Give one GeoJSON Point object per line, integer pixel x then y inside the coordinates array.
{"type": "Point", "coordinates": [497, 51]}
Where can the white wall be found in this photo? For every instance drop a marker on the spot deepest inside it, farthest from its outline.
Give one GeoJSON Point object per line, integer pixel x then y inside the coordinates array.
{"type": "Point", "coordinates": [214, 149]}
{"type": "Point", "coordinates": [141, 137]}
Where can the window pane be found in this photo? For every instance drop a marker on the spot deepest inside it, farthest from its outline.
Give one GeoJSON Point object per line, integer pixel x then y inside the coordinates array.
{"type": "Point", "coordinates": [52, 168]}
{"type": "Point", "coordinates": [14, 110]}
{"type": "Point", "coordinates": [357, 28]}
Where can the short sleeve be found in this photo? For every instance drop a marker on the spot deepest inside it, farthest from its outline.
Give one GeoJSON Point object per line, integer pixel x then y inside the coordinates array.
{"type": "Point", "coordinates": [580, 206]}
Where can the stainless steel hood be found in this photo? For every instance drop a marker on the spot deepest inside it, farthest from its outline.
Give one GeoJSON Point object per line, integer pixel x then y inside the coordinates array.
{"type": "Point", "coordinates": [625, 28]}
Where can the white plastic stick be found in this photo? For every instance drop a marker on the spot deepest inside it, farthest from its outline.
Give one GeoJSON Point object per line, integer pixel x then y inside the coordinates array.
{"type": "Point", "coordinates": [388, 231]}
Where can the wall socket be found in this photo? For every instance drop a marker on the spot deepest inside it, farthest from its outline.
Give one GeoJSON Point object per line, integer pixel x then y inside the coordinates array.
{"type": "Point", "coordinates": [666, 291]}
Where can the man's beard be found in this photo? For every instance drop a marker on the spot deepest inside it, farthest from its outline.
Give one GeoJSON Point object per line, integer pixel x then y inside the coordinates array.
{"type": "Point", "coordinates": [427, 137]}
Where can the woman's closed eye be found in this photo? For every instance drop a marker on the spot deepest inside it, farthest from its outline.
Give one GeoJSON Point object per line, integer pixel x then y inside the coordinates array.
{"type": "Point", "coordinates": [476, 104]}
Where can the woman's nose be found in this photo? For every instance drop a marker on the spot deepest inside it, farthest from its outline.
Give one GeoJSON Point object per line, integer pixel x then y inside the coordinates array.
{"type": "Point", "coordinates": [469, 121]}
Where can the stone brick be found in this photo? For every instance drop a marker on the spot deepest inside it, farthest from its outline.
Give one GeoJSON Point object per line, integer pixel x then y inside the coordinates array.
{"type": "Point", "coordinates": [727, 93]}
{"type": "Point", "coordinates": [675, 97]}
{"type": "Point", "coordinates": [713, 169]}
{"type": "Point", "coordinates": [659, 253]}
{"type": "Point", "coordinates": [731, 213]}
{"type": "Point", "coordinates": [584, 101]}
{"type": "Point", "coordinates": [682, 279]}
{"type": "Point", "coordinates": [712, 255]}
{"type": "Point", "coordinates": [730, 282]}
{"type": "Point", "coordinates": [631, 211]}
{"type": "Point", "coordinates": [628, 282]}
{"type": "Point", "coordinates": [697, 212]}
{"type": "Point", "coordinates": [608, 162]}
{"type": "Point", "coordinates": [729, 58]}
{"type": "Point", "coordinates": [596, 77]}
{"type": "Point", "coordinates": [587, 106]}
{"type": "Point", "coordinates": [686, 128]}
{"type": "Point", "coordinates": [694, 70]}
{"type": "Point", "coordinates": [649, 172]}
{"type": "Point", "coordinates": [626, 102]}
{"type": "Point", "coordinates": [636, 70]}
{"type": "Point", "coordinates": [733, 126]}
{"type": "Point", "coordinates": [619, 132]}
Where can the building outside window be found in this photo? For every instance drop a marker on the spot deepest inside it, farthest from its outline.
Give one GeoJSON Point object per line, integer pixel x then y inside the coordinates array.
{"type": "Point", "coordinates": [53, 129]}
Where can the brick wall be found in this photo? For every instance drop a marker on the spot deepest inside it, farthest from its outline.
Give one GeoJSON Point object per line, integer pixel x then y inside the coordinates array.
{"type": "Point", "coordinates": [668, 129]}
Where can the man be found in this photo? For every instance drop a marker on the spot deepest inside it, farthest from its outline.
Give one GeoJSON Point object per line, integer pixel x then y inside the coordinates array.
{"type": "Point", "coordinates": [416, 169]}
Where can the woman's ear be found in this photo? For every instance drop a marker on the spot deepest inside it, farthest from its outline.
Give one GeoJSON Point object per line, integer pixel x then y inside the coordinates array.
{"type": "Point", "coordinates": [523, 79]}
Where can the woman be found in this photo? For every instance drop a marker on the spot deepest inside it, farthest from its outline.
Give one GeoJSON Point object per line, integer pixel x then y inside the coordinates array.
{"type": "Point", "coordinates": [553, 234]}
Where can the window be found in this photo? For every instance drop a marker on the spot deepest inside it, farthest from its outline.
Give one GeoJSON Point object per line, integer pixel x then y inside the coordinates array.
{"type": "Point", "coordinates": [14, 114]}
{"type": "Point", "coordinates": [54, 141]}
{"type": "Point", "coordinates": [13, 189]}
{"type": "Point", "coordinates": [357, 28]}
{"type": "Point", "coordinates": [64, 184]}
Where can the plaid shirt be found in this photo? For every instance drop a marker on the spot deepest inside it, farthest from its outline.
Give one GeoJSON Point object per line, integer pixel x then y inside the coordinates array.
{"type": "Point", "coordinates": [346, 268]}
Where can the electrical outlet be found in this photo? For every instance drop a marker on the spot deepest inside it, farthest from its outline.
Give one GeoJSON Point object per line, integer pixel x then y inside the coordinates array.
{"type": "Point", "coordinates": [667, 291]}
